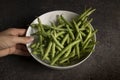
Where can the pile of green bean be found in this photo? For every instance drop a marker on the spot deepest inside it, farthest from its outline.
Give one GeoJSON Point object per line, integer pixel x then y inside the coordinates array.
{"type": "Point", "coordinates": [64, 42]}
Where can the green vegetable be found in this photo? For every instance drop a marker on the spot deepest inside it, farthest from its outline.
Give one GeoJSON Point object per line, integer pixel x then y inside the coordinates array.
{"type": "Point", "coordinates": [63, 51]}
{"type": "Point", "coordinates": [64, 42]}
{"type": "Point", "coordinates": [53, 50]}
{"type": "Point", "coordinates": [47, 51]}
{"type": "Point", "coordinates": [65, 39]}
{"type": "Point", "coordinates": [57, 42]}
{"type": "Point", "coordinates": [70, 32]}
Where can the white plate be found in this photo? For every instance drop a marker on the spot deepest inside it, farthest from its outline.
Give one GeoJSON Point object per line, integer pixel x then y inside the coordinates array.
{"type": "Point", "coordinates": [47, 18]}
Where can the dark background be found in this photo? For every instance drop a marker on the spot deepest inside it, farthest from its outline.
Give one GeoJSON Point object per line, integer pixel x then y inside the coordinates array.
{"type": "Point", "coordinates": [103, 64]}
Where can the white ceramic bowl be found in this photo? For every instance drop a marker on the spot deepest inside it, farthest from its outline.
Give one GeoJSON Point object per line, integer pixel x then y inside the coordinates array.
{"type": "Point", "coordinates": [47, 18]}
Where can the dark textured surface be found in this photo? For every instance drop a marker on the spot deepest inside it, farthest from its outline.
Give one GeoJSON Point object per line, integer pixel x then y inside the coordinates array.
{"type": "Point", "coordinates": [103, 64]}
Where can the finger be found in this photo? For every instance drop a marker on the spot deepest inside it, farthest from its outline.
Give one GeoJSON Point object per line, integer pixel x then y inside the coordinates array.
{"type": "Point", "coordinates": [4, 52]}
{"type": "Point", "coordinates": [13, 50]}
{"type": "Point", "coordinates": [17, 32]}
{"type": "Point", "coordinates": [22, 47]}
{"type": "Point", "coordinates": [21, 52]}
{"type": "Point", "coordinates": [7, 51]}
{"type": "Point", "coordinates": [23, 40]}
{"type": "Point", "coordinates": [14, 32]}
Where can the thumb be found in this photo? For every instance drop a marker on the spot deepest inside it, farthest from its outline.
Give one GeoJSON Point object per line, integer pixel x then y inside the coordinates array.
{"type": "Point", "coordinates": [23, 40]}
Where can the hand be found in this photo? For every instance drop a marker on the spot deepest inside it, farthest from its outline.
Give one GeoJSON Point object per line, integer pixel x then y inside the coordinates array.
{"type": "Point", "coordinates": [13, 42]}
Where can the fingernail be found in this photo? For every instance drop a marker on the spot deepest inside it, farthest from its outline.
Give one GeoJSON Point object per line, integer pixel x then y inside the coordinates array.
{"type": "Point", "coordinates": [31, 39]}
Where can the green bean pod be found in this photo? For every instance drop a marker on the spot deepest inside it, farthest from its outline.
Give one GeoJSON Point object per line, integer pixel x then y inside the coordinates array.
{"type": "Point", "coordinates": [57, 42]}
{"type": "Point", "coordinates": [47, 50]}
{"type": "Point", "coordinates": [63, 51]}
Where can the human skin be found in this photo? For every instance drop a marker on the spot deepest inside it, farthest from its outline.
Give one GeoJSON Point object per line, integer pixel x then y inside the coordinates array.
{"type": "Point", "coordinates": [12, 41]}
